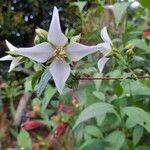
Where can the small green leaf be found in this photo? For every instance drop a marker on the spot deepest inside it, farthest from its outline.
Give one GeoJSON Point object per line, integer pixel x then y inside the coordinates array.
{"type": "Point", "coordinates": [93, 144]}
{"type": "Point", "coordinates": [145, 3]}
{"type": "Point", "coordinates": [118, 89]}
{"type": "Point", "coordinates": [119, 10]}
{"type": "Point", "coordinates": [137, 134]}
{"type": "Point", "coordinates": [24, 140]}
{"type": "Point", "coordinates": [93, 131]}
{"type": "Point", "coordinates": [138, 115]}
{"type": "Point", "coordinates": [94, 110]}
{"type": "Point", "coordinates": [116, 140]}
{"type": "Point", "coordinates": [46, 76]}
{"type": "Point", "coordinates": [139, 44]}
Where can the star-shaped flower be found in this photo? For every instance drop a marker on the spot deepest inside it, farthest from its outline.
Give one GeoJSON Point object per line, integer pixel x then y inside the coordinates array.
{"type": "Point", "coordinates": [106, 48]}
{"type": "Point", "coordinates": [14, 60]}
{"type": "Point", "coordinates": [57, 49]}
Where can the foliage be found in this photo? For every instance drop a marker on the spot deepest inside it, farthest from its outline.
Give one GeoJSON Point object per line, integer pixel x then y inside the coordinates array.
{"type": "Point", "coordinates": [96, 113]}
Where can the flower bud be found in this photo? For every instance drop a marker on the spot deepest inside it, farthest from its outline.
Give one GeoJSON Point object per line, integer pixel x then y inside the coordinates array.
{"type": "Point", "coordinates": [30, 125]}
{"type": "Point", "coordinates": [130, 52]}
{"type": "Point", "coordinates": [75, 102]}
{"type": "Point", "coordinates": [56, 118]}
{"type": "Point", "coordinates": [41, 35]}
{"type": "Point", "coordinates": [60, 129]}
{"type": "Point", "coordinates": [37, 40]}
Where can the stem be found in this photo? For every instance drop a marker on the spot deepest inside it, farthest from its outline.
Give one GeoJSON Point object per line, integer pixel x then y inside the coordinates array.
{"type": "Point", "coordinates": [112, 78]}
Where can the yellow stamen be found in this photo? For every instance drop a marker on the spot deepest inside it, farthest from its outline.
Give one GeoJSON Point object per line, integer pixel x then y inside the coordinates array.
{"type": "Point", "coordinates": [59, 53]}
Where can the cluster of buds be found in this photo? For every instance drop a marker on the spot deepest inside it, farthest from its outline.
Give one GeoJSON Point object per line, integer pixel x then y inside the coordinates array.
{"type": "Point", "coordinates": [64, 113]}
{"type": "Point", "coordinates": [147, 31]}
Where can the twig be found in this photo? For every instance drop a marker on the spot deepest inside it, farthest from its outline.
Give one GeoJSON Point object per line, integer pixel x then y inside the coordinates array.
{"type": "Point", "coordinates": [22, 104]}
{"type": "Point", "coordinates": [111, 78]}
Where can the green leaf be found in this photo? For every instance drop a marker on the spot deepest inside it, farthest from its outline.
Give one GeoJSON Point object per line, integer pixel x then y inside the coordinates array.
{"type": "Point", "coordinates": [80, 5]}
{"type": "Point", "coordinates": [46, 76]}
{"type": "Point", "coordinates": [93, 144]}
{"type": "Point", "coordinates": [137, 134]}
{"type": "Point", "coordinates": [94, 110]}
{"type": "Point", "coordinates": [145, 3]}
{"type": "Point", "coordinates": [136, 88]}
{"type": "Point", "coordinates": [48, 94]}
{"type": "Point", "coordinates": [116, 140]}
{"type": "Point", "coordinates": [93, 131]}
{"type": "Point", "coordinates": [119, 10]}
{"type": "Point", "coordinates": [118, 89]}
{"type": "Point", "coordinates": [24, 140]}
{"type": "Point", "coordinates": [142, 147]}
{"type": "Point", "coordinates": [138, 115]}
{"type": "Point", "coordinates": [35, 78]}
{"type": "Point", "coordinates": [99, 95]}
{"type": "Point", "coordinates": [139, 44]}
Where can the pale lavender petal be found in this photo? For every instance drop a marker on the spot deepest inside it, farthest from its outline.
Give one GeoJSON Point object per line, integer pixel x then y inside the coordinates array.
{"type": "Point", "coordinates": [40, 53]}
{"type": "Point", "coordinates": [10, 46]}
{"type": "Point", "coordinates": [104, 47]}
{"type": "Point", "coordinates": [105, 36]}
{"type": "Point", "coordinates": [60, 71]}
{"type": "Point", "coordinates": [13, 64]}
{"type": "Point", "coordinates": [7, 57]}
{"type": "Point", "coordinates": [76, 51]}
{"type": "Point", "coordinates": [101, 63]}
{"type": "Point", "coordinates": [55, 35]}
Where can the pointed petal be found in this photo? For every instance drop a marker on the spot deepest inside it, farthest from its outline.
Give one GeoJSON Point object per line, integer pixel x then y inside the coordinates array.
{"type": "Point", "coordinates": [60, 72]}
{"type": "Point", "coordinates": [7, 57]}
{"type": "Point", "coordinates": [104, 47]}
{"type": "Point", "coordinates": [40, 53]}
{"type": "Point", "coordinates": [13, 64]}
{"type": "Point", "coordinates": [76, 51]}
{"type": "Point", "coordinates": [10, 46]}
{"type": "Point", "coordinates": [101, 63]}
{"type": "Point", "coordinates": [55, 35]}
{"type": "Point", "coordinates": [105, 36]}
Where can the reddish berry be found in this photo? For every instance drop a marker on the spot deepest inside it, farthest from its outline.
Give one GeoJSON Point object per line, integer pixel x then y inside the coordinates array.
{"type": "Point", "coordinates": [60, 129]}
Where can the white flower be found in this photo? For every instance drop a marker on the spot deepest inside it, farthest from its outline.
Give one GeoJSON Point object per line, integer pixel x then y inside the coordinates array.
{"type": "Point", "coordinates": [106, 48]}
{"type": "Point", "coordinates": [58, 49]}
{"type": "Point", "coordinates": [14, 61]}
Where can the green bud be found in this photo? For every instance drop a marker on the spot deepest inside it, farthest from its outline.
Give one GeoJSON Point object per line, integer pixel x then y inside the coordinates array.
{"type": "Point", "coordinates": [42, 34]}
{"type": "Point", "coordinates": [129, 46]}
{"type": "Point", "coordinates": [130, 52]}
{"type": "Point", "coordinates": [75, 38]}
{"type": "Point", "coordinates": [37, 40]}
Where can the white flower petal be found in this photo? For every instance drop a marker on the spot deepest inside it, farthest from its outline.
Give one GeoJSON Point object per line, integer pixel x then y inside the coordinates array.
{"type": "Point", "coordinates": [101, 63]}
{"type": "Point", "coordinates": [55, 35]}
{"type": "Point", "coordinates": [105, 36]}
{"type": "Point", "coordinates": [40, 53]}
{"type": "Point", "coordinates": [7, 57]}
{"type": "Point", "coordinates": [13, 64]}
{"type": "Point", "coordinates": [104, 47]}
{"type": "Point", "coordinates": [60, 72]}
{"type": "Point", "coordinates": [76, 51]}
{"type": "Point", "coordinates": [10, 46]}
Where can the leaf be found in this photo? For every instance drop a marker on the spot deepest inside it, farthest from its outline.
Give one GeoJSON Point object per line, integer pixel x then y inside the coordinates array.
{"type": "Point", "coordinates": [119, 9]}
{"type": "Point", "coordinates": [48, 94]}
{"type": "Point", "coordinates": [142, 147]}
{"type": "Point", "coordinates": [35, 78]}
{"type": "Point", "coordinates": [75, 38]}
{"type": "Point", "coordinates": [116, 140]}
{"type": "Point", "coordinates": [118, 89]}
{"type": "Point", "coordinates": [46, 76]}
{"type": "Point", "coordinates": [24, 140]}
{"type": "Point", "coordinates": [99, 95]}
{"type": "Point", "coordinates": [137, 134]}
{"type": "Point", "coordinates": [139, 44]}
{"type": "Point", "coordinates": [93, 144]}
{"type": "Point", "coordinates": [138, 115]}
{"type": "Point", "coordinates": [94, 110]}
{"type": "Point", "coordinates": [93, 131]}
{"type": "Point", "coordinates": [145, 3]}
{"type": "Point", "coordinates": [80, 5]}
{"type": "Point", "coordinates": [133, 87]}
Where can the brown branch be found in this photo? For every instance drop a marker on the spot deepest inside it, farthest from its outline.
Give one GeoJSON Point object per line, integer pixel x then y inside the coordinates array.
{"type": "Point", "coordinates": [22, 105]}
{"type": "Point", "coordinates": [112, 78]}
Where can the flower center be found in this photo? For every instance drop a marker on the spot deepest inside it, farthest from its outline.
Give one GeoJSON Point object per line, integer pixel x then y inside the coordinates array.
{"type": "Point", "coordinates": [59, 53]}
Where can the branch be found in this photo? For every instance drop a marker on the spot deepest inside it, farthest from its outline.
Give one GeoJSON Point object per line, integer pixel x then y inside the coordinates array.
{"type": "Point", "coordinates": [112, 78]}
{"type": "Point", "coordinates": [22, 105]}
